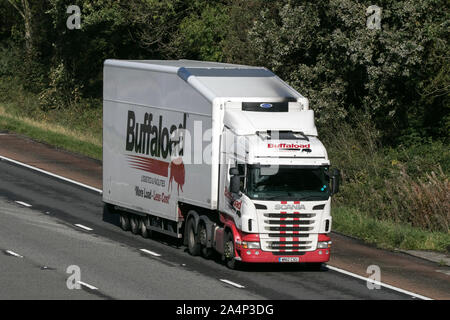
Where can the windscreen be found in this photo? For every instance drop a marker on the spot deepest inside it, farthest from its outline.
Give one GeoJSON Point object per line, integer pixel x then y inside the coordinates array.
{"type": "Point", "coordinates": [291, 183]}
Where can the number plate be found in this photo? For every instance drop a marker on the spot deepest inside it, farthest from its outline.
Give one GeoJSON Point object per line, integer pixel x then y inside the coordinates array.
{"type": "Point", "coordinates": [288, 259]}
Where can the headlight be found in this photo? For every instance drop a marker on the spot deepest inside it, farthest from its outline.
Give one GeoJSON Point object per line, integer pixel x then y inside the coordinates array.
{"type": "Point", "coordinates": [250, 245]}
{"type": "Point", "coordinates": [324, 245]}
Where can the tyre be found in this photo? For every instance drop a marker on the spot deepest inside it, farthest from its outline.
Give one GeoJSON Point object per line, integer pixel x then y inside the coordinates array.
{"type": "Point", "coordinates": [145, 232]}
{"type": "Point", "coordinates": [194, 246]}
{"type": "Point", "coordinates": [124, 222]}
{"type": "Point", "coordinates": [203, 238]}
{"type": "Point", "coordinates": [230, 261]}
{"type": "Point", "coordinates": [134, 224]}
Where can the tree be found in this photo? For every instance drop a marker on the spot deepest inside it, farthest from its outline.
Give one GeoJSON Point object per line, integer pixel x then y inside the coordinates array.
{"type": "Point", "coordinates": [397, 75]}
{"type": "Point", "coordinates": [201, 34]}
{"type": "Point", "coordinates": [24, 9]}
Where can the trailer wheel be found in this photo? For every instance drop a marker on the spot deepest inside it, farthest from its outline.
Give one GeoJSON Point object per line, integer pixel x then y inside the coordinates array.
{"type": "Point", "coordinates": [124, 222]}
{"type": "Point", "coordinates": [134, 224]}
{"type": "Point", "coordinates": [194, 246]}
{"type": "Point", "coordinates": [145, 233]}
{"type": "Point", "coordinates": [229, 251]}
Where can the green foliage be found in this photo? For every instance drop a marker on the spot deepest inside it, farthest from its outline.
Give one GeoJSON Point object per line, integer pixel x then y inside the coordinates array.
{"type": "Point", "coordinates": [62, 91]}
{"type": "Point", "coordinates": [8, 61]}
{"type": "Point", "coordinates": [79, 54]}
{"type": "Point", "coordinates": [81, 118]}
{"type": "Point", "coordinates": [396, 74]}
{"type": "Point", "coordinates": [408, 185]}
{"type": "Point", "coordinates": [202, 33]}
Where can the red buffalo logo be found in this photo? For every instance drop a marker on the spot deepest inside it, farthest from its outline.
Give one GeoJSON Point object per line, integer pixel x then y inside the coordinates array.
{"type": "Point", "coordinates": [177, 173]}
{"type": "Point", "coordinates": [237, 204]}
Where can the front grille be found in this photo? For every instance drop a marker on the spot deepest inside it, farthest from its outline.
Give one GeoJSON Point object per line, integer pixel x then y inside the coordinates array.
{"type": "Point", "coordinates": [288, 242]}
{"type": "Point", "coordinates": [289, 233]}
{"type": "Point", "coordinates": [290, 215]}
{"type": "Point", "coordinates": [285, 222]}
{"type": "Point", "coordinates": [283, 247]}
{"type": "Point", "coordinates": [289, 245]}
{"type": "Point", "coordinates": [289, 228]}
{"type": "Point", "coordinates": [281, 235]}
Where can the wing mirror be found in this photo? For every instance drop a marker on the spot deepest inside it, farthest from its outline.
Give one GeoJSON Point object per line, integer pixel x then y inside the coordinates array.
{"type": "Point", "coordinates": [335, 181]}
{"type": "Point", "coordinates": [235, 180]}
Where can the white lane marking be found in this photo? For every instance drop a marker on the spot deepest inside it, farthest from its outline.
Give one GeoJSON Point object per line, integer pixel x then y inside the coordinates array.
{"type": "Point", "coordinates": [151, 252]}
{"type": "Point", "coordinates": [51, 174]}
{"type": "Point", "coordinates": [83, 227]}
{"type": "Point", "coordinates": [12, 253]}
{"type": "Point", "coordinates": [415, 295]}
{"type": "Point", "coordinates": [23, 203]}
{"type": "Point", "coordinates": [87, 285]}
{"type": "Point", "coordinates": [237, 285]}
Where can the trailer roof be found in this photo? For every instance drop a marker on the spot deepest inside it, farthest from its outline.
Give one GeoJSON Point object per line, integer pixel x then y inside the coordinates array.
{"type": "Point", "coordinates": [191, 64]}
{"type": "Point", "coordinates": [219, 80]}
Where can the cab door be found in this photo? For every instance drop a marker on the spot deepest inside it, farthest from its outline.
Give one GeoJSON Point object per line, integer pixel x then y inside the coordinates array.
{"type": "Point", "coordinates": [230, 203]}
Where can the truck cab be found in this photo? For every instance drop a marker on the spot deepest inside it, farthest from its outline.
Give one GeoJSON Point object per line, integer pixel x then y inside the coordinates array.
{"type": "Point", "coordinates": [277, 184]}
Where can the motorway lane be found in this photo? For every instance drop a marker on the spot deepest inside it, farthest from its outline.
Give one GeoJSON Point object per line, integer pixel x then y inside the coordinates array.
{"type": "Point", "coordinates": [116, 270]}
{"type": "Point", "coordinates": [115, 265]}
{"type": "Point", "coordinates": [22, 278]}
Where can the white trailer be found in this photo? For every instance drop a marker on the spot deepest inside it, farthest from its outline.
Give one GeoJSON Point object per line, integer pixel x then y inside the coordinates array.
{"type": "Point", "coordinates": [224, 156]}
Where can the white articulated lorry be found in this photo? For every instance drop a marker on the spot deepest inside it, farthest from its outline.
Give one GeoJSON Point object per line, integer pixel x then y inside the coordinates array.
{"type": "Point", "coordinates": [225, 157]}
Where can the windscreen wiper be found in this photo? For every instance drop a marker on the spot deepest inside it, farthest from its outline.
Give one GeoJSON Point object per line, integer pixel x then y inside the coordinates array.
{"type": "Point", "coordinates": [312, 198]}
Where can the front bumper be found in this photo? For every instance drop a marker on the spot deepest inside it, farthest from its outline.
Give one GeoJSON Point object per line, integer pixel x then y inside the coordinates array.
{"type": "Point", "coordinates": [319, 255]}
{"type": "Point", "coordinates": [260, 256]}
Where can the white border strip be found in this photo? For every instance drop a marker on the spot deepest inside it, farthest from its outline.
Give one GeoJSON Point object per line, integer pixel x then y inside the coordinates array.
{"type": "Point", "coordinates": [23, 203]}
{"type": "Point", "coordinates": [237, 285]}
{"type": "Point", "coordinates": [150, 252]}
{"type": "Point", "coordinates": [415, 295]}
{"type": "Point", "coordinates": [51, 174]}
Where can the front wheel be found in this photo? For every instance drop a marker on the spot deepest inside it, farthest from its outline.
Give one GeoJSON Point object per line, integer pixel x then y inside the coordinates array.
{"type": "Point", "coordinates": [230, 260]}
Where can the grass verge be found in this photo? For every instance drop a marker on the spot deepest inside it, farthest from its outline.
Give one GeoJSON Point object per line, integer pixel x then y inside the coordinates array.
{"type": "Point", "coordinates": [387, 234]}
{"type": "Point", "coordinates": [54, 135]}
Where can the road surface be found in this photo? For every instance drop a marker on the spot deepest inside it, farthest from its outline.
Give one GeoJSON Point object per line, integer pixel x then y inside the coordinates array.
{"type": "Point", "coordinates": [48, 225]}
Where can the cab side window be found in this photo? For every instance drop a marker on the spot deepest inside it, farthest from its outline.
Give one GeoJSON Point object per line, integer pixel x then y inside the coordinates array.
{"type": "Point", "coordinates": [241, 167]}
